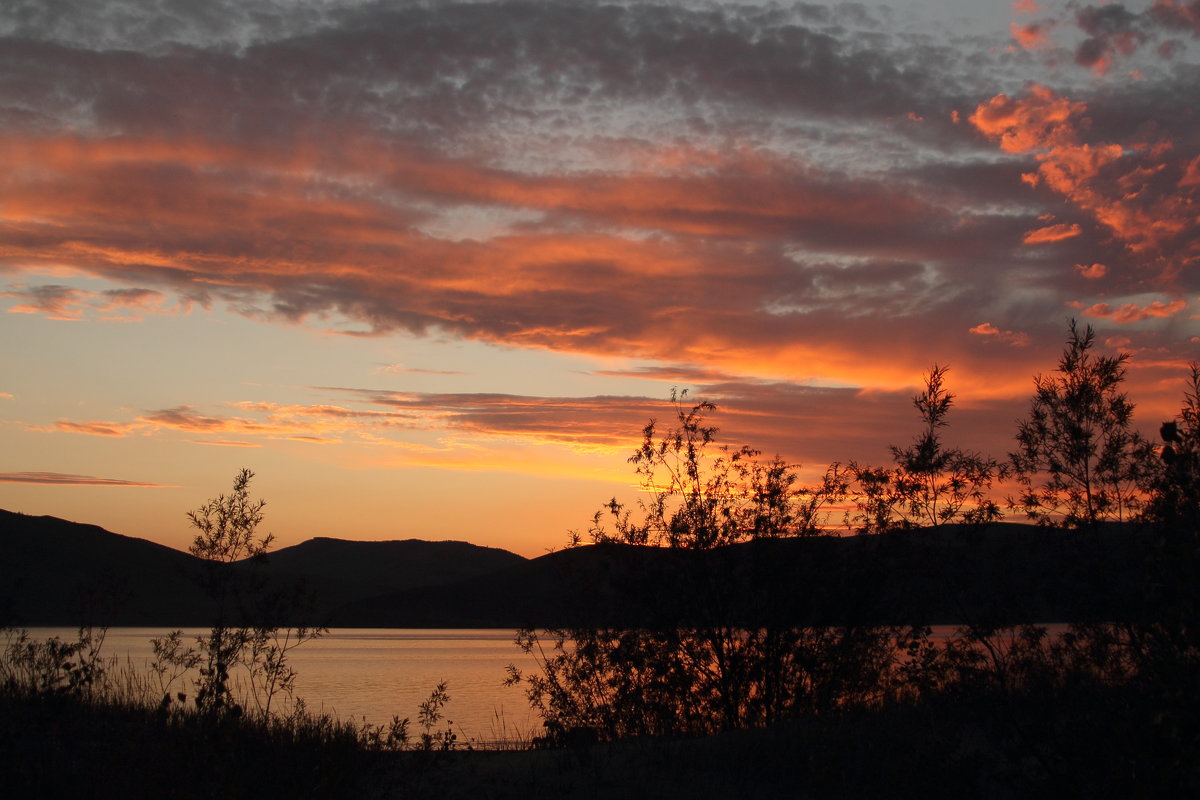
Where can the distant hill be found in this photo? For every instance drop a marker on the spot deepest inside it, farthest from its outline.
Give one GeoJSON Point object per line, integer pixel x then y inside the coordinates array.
{"type": "Point", "coordinates": [340, 571]}
{"type": "Point", "coordinates": [948, 575]}
{"type": "Point", "coordinates": [54, 572]}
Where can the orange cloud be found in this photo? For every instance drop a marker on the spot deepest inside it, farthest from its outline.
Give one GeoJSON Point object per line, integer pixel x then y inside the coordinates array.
{"type": "Point", "coordinates": [1051, 233]}
{"type": "Point", "coordinates": [303, 423]}
{"type": "Point", "coordinates": [316, 423]}
{"type": "Point", "coordinates": [723, 199]}
{"type": "Point", "coordinates": [1030, 36]}
{"type": "Point", "coordinates": [642, 246]}
{"type": "Point", "coordinates": [1132, 312]}
{"type": "Point", "coordinates": [562, 421]}
{"type": "Point", "coordinates": [1092, 272]}
{"type": "Point", "coordinates": [1025, 7]}
{"type": "Point", "coordinates": [1121, 187]}
{"type": "Point", "coordinates": [263, 232]}
{"type": "Point", "coordinates": [1191, 176]}
{"type": "Point", "coordinates": [400, 369]}
{"type": "Point", "coordinates": [185, 418]}
{"type": "Point", "coordinates": [584, 423]}
{"type": "Point", "coordinates": [56, 302]}
{"type": "Point", "coordinates": [111, 429]}
{"type": "Point", "coordinates": [223, 443]}
{"type": "Point", "coordinates": [64, 303]}
{"type": "Point", "coordinates": [988, 330]}
{"type": "Point", "coordinates": [1111, 31]}
{"type": "Point", "coordinates": [1040, 121]}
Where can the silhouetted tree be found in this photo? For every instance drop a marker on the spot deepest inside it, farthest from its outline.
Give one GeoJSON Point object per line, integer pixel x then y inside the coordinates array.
{"type": "Point", "coordinates": [1079, 458]}
{"type": "Point", "coordinates": [698, 499]}
{"type": "Point", "coordinates": [1175, 495]}
{"type": "Point", "coordinates": [936, 484]}
{"type": "Point", "coordinates": [697, 667]}
{"type": "Point", "coordinates": [1167, 642]}
{"type": "Point", "coordinates": [246, 630]}
{"type": "Point", "coordinates": [930, 484]}
{"type": "Point", "coordinates": [227, 526]}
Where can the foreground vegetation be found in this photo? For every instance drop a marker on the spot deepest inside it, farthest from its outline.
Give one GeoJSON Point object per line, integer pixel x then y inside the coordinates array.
{"type": "Point", "coordinates": [75, 722]}
{"type": "Point", "coordinates": [715, 694]}
{"type": "Point", "coordinates": [1113, 700]}
{"type": "Point", "coordinates": [1042, 730]}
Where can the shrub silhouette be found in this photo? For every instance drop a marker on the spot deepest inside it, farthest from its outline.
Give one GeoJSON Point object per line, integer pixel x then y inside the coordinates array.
{"type": "Point", "coordinates": [931, 484]}
{"type": "Point", "coordinates": [53, 667]}
{"type": "Point", "coordinates": [704, 661]}
{"type": "Point", "coordinates": [246, 632]}
{"type": "Point", "coordinates": [1079, 460]}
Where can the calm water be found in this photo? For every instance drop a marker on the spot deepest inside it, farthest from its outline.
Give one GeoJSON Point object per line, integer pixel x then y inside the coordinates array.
{"type": "Point", "coordinates": [375, 673]}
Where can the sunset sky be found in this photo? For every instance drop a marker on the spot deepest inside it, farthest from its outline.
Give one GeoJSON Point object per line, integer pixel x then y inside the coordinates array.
{"type": "Point", "coordinates": [428, 268]}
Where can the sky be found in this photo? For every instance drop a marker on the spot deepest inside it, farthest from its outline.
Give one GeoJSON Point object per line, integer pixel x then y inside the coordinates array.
{"type": "Point", "coordinates": [429, 268]}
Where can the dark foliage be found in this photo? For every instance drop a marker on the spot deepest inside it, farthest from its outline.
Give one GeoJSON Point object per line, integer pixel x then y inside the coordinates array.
{"type": "Point", "coordinates": [691, 668]}
{"type": "Point", "coordinates": [54, 746]}
{"type": "Point", "coordinates": [1079, 459]}
{"type": "Point", "coordinates": [248, 632]}
{"type": "Point", "coordinates": [930, 483]}
{"type": "Point", "coordinates": [1103, 705]}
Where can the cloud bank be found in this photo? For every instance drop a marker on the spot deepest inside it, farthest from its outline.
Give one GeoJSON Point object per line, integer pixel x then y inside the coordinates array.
{"type": "Point", "coordinates": [784, 190]}
{"type": "Point", "coordinates": [794, 210]}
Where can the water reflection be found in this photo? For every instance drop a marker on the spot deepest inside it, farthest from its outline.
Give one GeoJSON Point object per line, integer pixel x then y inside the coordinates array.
{"type": "Point", "coordinates": [375, 673]}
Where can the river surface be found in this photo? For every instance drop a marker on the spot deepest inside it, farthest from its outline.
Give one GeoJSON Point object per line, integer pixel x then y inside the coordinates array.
{"type": "Point", "coordinates": [376, 673]}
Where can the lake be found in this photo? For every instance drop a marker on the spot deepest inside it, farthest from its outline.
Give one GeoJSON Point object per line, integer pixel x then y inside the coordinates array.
{"type": "Point", "coordinates": [375, 673]}
{"type": "Point", "coordinates": [357, 673]}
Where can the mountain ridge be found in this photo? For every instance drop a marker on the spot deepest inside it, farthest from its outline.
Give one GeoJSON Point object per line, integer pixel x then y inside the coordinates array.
{"type": "Point", "coordinates": [58, 572]}
{"type": "Point", "coordinates": [948, 575]}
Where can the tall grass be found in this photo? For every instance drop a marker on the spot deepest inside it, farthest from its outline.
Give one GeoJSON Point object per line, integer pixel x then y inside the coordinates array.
{"type": "Point", "coordinates": [73, 721]}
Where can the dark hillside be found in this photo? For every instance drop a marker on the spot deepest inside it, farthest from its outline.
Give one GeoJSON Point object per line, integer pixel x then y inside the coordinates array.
{"type": "Point", "coordinates": [1008, 573]}
{"type": "Point", "coordinates": [341, 571]}
{"type": "Point", "coordinates": [55, 572]}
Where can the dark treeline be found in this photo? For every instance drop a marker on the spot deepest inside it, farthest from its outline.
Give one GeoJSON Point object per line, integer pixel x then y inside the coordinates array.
{"type": "Point", "coordinates": [948, 575]}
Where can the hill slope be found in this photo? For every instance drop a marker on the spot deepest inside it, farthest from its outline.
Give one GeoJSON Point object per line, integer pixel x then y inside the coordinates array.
{"type": "Point", "coordinates": [340, 571]}
{"type": "Point", "coordinates": [1006, 573]}
{"type": "Point", "coordinates": [55, 572]}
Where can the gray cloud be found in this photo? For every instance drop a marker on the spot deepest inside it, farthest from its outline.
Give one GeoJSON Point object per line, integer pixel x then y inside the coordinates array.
{"type": "Point", "coordinates": [62, 479]}
{"type": "Point", "coordinates": [812, 426]}
{"type": "Point", "coordinates": [727, 184]}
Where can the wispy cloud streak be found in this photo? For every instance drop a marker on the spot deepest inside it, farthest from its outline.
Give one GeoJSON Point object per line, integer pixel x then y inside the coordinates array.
{"type": "Point", "coordinates": [61, 479]}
